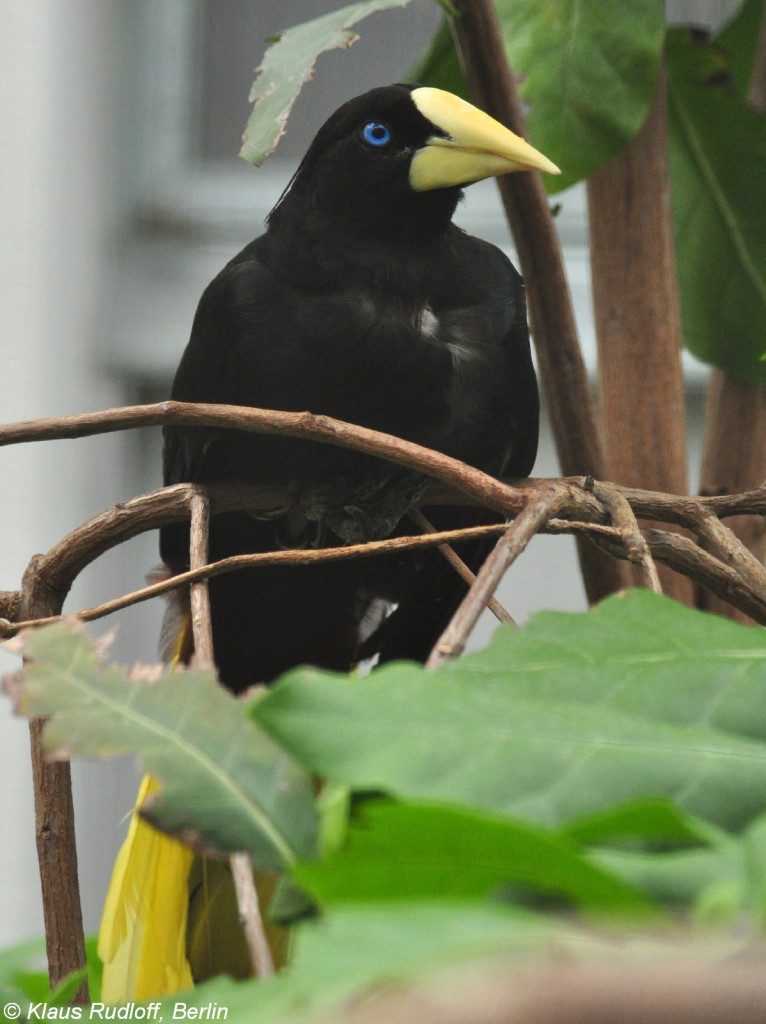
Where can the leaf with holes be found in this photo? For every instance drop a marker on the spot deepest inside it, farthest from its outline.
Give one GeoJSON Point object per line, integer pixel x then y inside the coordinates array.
{"type": "Point", "coordinates": [225, 782]}
{"type": "Point", "coordinates": [289, 63]}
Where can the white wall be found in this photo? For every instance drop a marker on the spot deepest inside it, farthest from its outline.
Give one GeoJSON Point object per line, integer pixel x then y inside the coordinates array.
{"type": "Point", "coordinates": [57, 217]}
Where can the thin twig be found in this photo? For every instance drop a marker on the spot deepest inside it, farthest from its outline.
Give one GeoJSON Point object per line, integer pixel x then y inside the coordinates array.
{"type": "Point", "coordinates": [457, 563]}
{"type": "Point", "coordinates": [298, 556]}
{"type": "Point", "coordinates": [683, 555]}
{"type": "Point", "coordinates": [636, 548]}
{"type": "Point", "coordinates": [684, 509]}
{"type": "Point", "coordinates": [199, 599]}
{"type": "Point", "coordinates": [54, 826]}
{"type": "Point", "coordinates": [558, 526]}
{"type": "Point", "coordinates": [241, 864]}
{"type": "Point", "coordinates": [250, 914]}
{"type": "Point", "coordinates": [515, 539]}
{"type": "Point", "coordinates": [457, 484]}
{"type": "Point", "coordinates": [724, 543]}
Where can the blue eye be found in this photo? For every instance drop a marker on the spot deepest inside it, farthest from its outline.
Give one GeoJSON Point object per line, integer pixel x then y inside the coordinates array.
{"type": "Point", "coordinates": [376, 133]}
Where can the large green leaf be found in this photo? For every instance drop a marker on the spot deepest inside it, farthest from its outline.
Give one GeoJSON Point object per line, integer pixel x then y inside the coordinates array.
{"type": "Point", "coordinates": [569, 716]}
{"type": "Point", "coordinates": [718, 163]}
{"type": "Point", "coordinates": [590, 71]}
{"type": "Point", "coordinates": [420, 852]}
{"type": "Point", "coordinates": [289, 63]}
{"type": "Point", "coordinates": [224, 780]}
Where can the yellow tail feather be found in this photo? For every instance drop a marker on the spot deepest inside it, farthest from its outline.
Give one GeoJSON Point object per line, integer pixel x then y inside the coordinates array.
{"type": "Point", "coordinates": [163, 898]}
{"type": "Point", "coordinates": [142, 941]}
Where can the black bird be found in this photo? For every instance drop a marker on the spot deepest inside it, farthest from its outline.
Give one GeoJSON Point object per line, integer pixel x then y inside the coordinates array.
{"type": "Point", "coordinates": [364, 302]}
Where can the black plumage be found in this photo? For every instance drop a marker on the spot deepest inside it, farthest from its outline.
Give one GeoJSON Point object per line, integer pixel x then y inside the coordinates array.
{"type": "Point", "coordinates": [364, 302]}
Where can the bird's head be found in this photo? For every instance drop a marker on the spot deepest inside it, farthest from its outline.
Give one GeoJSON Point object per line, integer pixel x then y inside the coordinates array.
{"type": "Point", "coordinates": [396, 158]}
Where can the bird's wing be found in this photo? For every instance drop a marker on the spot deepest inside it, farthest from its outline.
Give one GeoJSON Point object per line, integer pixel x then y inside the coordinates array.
{"type": "Point", "coordinates": [260, 342]}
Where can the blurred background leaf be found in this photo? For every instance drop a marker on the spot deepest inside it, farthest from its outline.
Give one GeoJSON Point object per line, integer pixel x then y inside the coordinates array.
{"type": "Point", "coordinates": [718, 166]}
{"type": "Point", "coordinates": [588, 73]}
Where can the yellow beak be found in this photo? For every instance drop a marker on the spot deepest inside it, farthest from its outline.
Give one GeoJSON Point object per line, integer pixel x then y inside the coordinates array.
{"type": "Point", "coordinates": [476, 146]}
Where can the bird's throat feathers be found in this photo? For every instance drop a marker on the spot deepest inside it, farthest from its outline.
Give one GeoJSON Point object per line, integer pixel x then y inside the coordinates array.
{"type": "Point", "coordinates": [313, 238]}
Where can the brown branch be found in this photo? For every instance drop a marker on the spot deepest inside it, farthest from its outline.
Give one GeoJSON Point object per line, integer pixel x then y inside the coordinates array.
{"type": "Point", "coordinates": [734, 458]}
{"type": "Point", "coordinates": [684, 510]}
{"type": "Point", "coordinates": [452, 641]}
{"type": "Point", "coordinates": [250, 914]}
{"type": "Point", "coordinates": [564, 379]}
{"type": "Point", "coordinates": [756, 93]}
{"type": "Point", "coordinates": [457, 563]}
{"type": "Point", "coordinates": [626, 524]}
{"type": "Point", "coordinates": [322, 429]}
{"type": "Point", "coordinates": [724, 543]}
{"type": "Point", "coordinates": [199, 599]}
{"type": "Point", "coordinates": [684, 556]}
{"type": "Point", "coordinates": [58, 569]}
{"type": "Point", "coordinates": [669, 982]}
{"type": "Point", "coordinates": [54, 825]}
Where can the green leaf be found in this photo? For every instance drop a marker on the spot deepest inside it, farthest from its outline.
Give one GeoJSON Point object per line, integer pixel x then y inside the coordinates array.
{"type": "Point", "coordinates": [419, 852]}
{"type": "Point", "coordinates": [224, 779]}
{"type": "Point", "coordinates": [22, 974]}
{"type": "Point", "coordinates": [648, 844]}
{"type": "Point", "coordinates": [439, 66]}
{"type": "Point", "coordinates": [289, 63]}
{"type": "Point", "coordinates": [95, 968]}
{"type": "Point", "coordinates": [590, 72]}
{"type": "Point", "coordinates": [724, 881]}
{"type": "Point", "coordinates": [718, 164]}
{"type": "Point", "coordinates": [739, 41]}
{"type": "Point", "coordinates": [569, 716]}
{"type": "Point", "coordinates": [681, 878]}
{"type": "Point", "coordinates": [754, 842]}
{"type": "Point", "coordinates": [650, 822]}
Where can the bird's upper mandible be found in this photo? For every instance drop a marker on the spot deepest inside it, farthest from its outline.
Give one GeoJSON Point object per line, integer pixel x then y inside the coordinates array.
{"type": "Point", "coordinates": [468, 145]}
